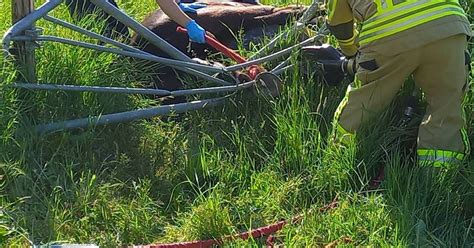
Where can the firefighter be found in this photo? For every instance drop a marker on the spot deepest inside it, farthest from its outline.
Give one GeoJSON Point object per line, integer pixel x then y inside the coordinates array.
{"type": "Point", "coordinates": [396, 39]}
{"type": "Point", "coordinates": [115, 29]}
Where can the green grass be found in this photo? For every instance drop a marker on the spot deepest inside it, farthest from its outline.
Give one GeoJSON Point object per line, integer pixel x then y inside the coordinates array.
{"type": "Point", "coordinates": [228, 169]}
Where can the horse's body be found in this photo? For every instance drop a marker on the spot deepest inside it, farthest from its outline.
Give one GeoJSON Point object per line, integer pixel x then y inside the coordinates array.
{"type": "Point", "coordinates": [225, 20]}
{"type": "Point", "coordinates": [228, 20]}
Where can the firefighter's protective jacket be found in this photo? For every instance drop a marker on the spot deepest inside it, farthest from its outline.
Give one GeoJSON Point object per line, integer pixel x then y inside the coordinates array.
{"type": "Point", "coordinates": [393, 26]}
{"type": "Point", "coordinates": [396, 39]}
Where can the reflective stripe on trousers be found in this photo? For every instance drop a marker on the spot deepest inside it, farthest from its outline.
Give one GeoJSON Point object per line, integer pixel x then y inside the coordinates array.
{"type": "Point", "coordinates": [439, 158]}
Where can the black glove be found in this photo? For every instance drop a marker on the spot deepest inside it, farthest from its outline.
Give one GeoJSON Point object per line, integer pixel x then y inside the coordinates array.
{"type": "Point", "coordinates": [333, 63]}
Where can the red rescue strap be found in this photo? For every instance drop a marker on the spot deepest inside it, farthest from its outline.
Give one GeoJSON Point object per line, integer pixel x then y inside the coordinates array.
{"type": "Point", "coordinates": [253, 70]}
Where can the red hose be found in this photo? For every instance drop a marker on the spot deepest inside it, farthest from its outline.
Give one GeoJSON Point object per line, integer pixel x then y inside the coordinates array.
{"type": "Point", "coordinates": [253, 70]}
{"type": "Point", "coordinates": [219, 47]}
{"type": "Point", "coordinates": [255, 233]}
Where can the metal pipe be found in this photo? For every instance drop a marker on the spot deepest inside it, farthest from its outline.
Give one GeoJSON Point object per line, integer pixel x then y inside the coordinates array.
{"type": "Point", "coordinates": [128, 115]}
{"type": "Point", "coordinates": [282, 64]}
{"type": "Point", "coordinates": [142, 30]}
{"type": "Point", "coordinates": [280, 71]}
{"type": "Point", "coordinates": [179, 65]}
{"type": "Point", "coordinates": [269, 45]}
{"type": "Point", "coordinates": [211, 78]}
{"type": "Point", "coordinates": [92, 34]}
{"type": "Point", "coordinates": [102, 38]}
{"type": "Point", "coordinates": [128, 48]}
{"type": "Point", "coordinates": [160, 92]}
{"type": "Point", "coordinates": [27, 22]}
{"type": "Point", "coordinates": [81, 88]}
{"type": "Point", "coordinates": [220, 89]}
{"type": "Point", "coordinates": [307, 16]}
{"type": "Point", "coordinates": [272, 56]}
{"type": "Point", "coordinates": [176, 64]}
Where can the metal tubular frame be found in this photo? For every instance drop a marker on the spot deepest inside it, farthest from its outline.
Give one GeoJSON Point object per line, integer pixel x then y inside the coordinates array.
{"type": "Point", "coordinates": [180, 62]}
{"type": "Point", "coordinates": [128, 115]}
{"type": "Point", "coordinates": [177, 64]}
{"type": "Point", "coordinates": [145, 91]}
{"type": "Point", "coordinates": [26, 22]}
{"type": "Point", "coordinates": [142, 30]}
{"type": "Point", "coordinates": [273, 56]}
{"type": "Point", "coordinates": [128, 48]}
{"type": "Point", "coordinates": [92, 34]}
{"type": "Point", "coordinates": [303, 21]}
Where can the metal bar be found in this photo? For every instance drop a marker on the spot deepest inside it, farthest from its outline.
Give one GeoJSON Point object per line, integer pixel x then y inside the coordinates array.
{"type": "Point", "coordinates": [128, 115]}
{"type": "Point", "coordinates": [92, 34]}
{"type": "Point", "coordinates": [272, 56]}
{"type": "Point", "coordinates": [281, 70]}
{"type": "Point", "coordinates": [220, 89]}
{"type": "Point", "coordinates": [142, 30]}
{"type": "Point", "coordinates": [282, 64]}
{"type": "Point", "coordinates": [179, 65]}
{"type": "Point", "coordinates": [208, 77]}
{"type": "Point", "coordinates": [43, 10]}
{"type": "Point", "coordinates": [81, 88]}
{"type": "Point", "coordinates": [307, 16]}
{"type": "Point", "coordinates": [121, 90]}
{"type": "Point", "coordinates": [269, 45]}
{"type": "Point", "coordinates": [128, 48]}
{"type": "Point", "coordinates": [27, 21]}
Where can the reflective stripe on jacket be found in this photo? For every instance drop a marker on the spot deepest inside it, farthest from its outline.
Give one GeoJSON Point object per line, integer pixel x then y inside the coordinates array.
{"type": "Point", "coordinates": [396, 16]}
{"type": "Point", "coordinates": [393, 26]}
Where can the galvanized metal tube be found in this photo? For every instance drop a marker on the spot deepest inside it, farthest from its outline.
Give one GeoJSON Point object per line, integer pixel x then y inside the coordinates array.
{"type": "Point", "coordinates": [300, 24]}
{"type": "Point", "coordinates": [27, 22]}
{"type": "Point", "coordinates": [31, 18]}
{"type": "Point", "coordinates": [272, 56]}
{"type": "Point", "coordinates": [179, 65]}
{"type": "Point", "coordinates": [281, 70]}
{"type": "Point", "coordinates": [92, 34]}
{"type": "Point", "coordinates": [81, 88]}
{"type": "Point", "coordinates": [142, 30]}
{"type": "Point", "coordinates": [282, 64]}
{"type": "Point", "coordinates": [128, 115]}
{"type": "Point", "coordinates": [128, 48]}
{"type": "Point", "coordinates": [269, 45]}
{"type": "Point", "coordinates": [213, 89]}
{"type": "Point", "coordinates": [121, 90]}
{"type": "Point", "coordinates": [207, 77]}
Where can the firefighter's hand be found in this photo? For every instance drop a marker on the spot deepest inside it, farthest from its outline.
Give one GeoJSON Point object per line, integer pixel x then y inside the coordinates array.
{"type": "Point", "coordinates": [195, 32]}
{"type": "Point", "coordinates": [191, 7]}
{"type": "Point", "coordinates": [331, 61]}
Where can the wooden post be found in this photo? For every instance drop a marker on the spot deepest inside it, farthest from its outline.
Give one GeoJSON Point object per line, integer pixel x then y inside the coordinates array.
{"type": "Point", "coordinates": [24, 51]}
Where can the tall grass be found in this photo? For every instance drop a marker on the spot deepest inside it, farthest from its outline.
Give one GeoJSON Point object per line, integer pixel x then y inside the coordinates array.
{"type": "Point", "coordinates": [228, 169]}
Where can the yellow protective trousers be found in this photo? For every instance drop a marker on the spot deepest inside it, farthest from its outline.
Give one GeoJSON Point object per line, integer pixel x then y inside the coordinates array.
{"type": "Point", "coordinates": [439, 70]}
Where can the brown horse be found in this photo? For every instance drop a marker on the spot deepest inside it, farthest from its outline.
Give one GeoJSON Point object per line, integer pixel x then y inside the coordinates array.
{"type": "Point", "coordinates": [223, 19]}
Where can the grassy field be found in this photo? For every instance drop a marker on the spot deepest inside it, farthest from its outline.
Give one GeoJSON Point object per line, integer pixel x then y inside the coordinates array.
{"type": "Point", "coordinates": [211, 173]}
